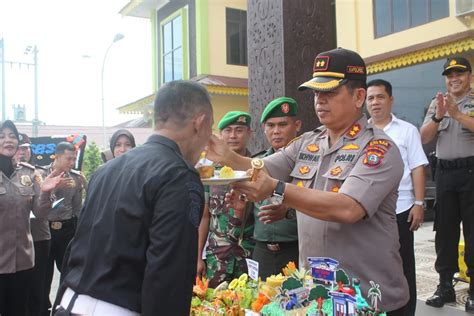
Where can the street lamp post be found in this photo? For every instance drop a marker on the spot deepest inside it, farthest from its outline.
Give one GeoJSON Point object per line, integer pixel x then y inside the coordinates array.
{"type": "Point", "coordinates": [117, 38]}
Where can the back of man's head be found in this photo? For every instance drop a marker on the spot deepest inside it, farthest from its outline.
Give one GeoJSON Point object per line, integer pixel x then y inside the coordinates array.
{"type": "Point", "coordinates": [381, 82]}
{"type": "Point", "coordinates": [178, 101]}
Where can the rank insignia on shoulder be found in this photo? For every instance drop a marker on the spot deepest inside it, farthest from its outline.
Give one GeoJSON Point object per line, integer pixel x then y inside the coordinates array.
{"type": "Point", "coordinates": [304, 170]}
{"type": "Point", "coordinates": [353, 131]}
{"type": "Point", "coordinates": [336, 171]}
{"type": "Point", "coordinates": [26, 181]}
{"type": "Point", "coordinates": [335, 189]}
{"type": "Point", "coordinates": [312, 148]}
{"type": "Point", "coordinates": [350, 147]}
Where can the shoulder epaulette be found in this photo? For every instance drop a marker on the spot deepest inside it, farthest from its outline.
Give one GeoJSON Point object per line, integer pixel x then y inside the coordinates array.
{"type": "Point", "coordinates": [293, 140]}
{"type": "Point", "coordinates": [27, 165]}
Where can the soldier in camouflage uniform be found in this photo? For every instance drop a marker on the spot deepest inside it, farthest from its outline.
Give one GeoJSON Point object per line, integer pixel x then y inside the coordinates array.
{"type": "Point", "coordinates": [229, 233]}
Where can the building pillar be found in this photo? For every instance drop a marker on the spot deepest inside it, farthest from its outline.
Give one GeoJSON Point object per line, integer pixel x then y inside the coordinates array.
{"type": "Point", "coordinates": [284, 37]}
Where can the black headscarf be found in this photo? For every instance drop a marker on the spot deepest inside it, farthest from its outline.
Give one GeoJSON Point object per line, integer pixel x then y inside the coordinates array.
{"type": "Point", "coordinates": [6, 163]}
{"type": "Point", "coordinates": [119, 133]}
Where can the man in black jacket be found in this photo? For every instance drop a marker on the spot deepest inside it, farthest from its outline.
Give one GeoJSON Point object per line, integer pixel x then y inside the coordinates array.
{"type": "Point", "coordinates": [135, 247]}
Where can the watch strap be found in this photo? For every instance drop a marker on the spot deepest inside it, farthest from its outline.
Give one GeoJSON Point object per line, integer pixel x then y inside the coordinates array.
{"type": "Point", "coordinates": [436, 120]}
{"type": "Point", "coordinates": [279, 189]}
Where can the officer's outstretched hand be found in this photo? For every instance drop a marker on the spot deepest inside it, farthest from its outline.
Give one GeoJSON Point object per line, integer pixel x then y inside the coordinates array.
{"type": "Point", "coordinates": [52, 181]}
{"type": "Point", "coordinates": [257, 190]}
{"type": "Point", "coordinates": [217, 150]}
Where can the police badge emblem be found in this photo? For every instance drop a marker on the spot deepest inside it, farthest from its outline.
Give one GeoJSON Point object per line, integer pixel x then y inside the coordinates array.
{"type": "Point", "coordinates": [26, 181]}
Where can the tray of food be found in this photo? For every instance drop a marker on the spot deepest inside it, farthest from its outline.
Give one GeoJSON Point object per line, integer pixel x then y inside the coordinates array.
{"type": "Point", "coordinates": [224, 176]}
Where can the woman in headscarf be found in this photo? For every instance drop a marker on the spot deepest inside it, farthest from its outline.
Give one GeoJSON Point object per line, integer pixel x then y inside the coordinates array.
{"type": "Point", "coordinates": [21, 190]}
{"type": "Point", "coordinates": [121, 142]}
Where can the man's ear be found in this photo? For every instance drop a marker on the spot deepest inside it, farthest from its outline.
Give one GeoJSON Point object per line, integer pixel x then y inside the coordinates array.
{"type": "Point", "coordinates": [198, 121]}
{"type": "Point", "coordinates": [360, 97]}
{"type": "Point", "coordinates": [298, 124]}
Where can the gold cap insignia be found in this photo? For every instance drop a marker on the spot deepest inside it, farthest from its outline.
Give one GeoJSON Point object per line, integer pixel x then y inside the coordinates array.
{"type": "Point", "coordinates": [453, 62]}
{"type": "Point", "coordinates": [26, 181]}
{"type": "Point", "coordinates": [321, 63]}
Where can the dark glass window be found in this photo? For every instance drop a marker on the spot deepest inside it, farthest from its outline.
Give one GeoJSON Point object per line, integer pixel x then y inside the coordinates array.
{"type": "Point", "coordinates": [392, 16]}
{"type": "Point", "coordinates": [236, 34]}
{"type": "Point", "coordinates": [172, 35]}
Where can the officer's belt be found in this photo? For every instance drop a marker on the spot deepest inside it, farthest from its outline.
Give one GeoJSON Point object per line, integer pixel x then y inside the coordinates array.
{"type": "Point", "coordinates": [456, 163]}
{"type": "Point", "coordinates": [57, 225]}
{"type": "Point", "coordinates": [277, 246]}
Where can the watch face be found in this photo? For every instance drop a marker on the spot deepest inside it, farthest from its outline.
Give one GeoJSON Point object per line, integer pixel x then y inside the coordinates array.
{"type": "Point", "coordinates": [276, 200]}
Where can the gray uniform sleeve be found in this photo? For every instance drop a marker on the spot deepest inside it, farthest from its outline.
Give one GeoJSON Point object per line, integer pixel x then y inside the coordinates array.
{"type": "Point", "coordinates": [282, 162]}
{"type": "Point", "coordinates": [370, 183]}
{"type": "Point", "coordinates": [430, 112]}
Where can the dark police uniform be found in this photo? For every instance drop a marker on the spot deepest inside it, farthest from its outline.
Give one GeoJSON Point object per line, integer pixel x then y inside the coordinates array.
{"type": "Point", "coordinates": [454, 193]}
{"type": "Point", "coordinates": [136, 240]}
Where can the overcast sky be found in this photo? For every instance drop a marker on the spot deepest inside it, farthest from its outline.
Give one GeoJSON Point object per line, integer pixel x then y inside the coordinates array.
{"type": "Point", "coordinates": [72, 37]}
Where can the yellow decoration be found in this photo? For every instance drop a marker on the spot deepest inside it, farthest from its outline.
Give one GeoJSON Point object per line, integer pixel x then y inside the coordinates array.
{"type": "Point", "coordinates": [422, 56]}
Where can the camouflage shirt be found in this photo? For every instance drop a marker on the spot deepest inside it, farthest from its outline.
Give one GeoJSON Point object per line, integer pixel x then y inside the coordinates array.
{"type": "Point", "coordinates": [229, 237]}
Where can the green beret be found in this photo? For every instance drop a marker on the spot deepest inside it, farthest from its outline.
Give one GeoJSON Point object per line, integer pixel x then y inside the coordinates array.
{"type": "Point", "coordinates": [280, 107]}
{"type": "Point", "coordinates": [234, 118]}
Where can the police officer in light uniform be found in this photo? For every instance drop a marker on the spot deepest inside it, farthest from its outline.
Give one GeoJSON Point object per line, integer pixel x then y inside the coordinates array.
{"type": "Point", "coordinates": [276, 232]}
{"type": "Point", "coordinates": [344, 178]}
{"type": "Point", "coordinates": [451, 117]}
{"type": "Point", "coordinates": [22, 190]}
{"type": "Point", "coordinates": [41, 240]}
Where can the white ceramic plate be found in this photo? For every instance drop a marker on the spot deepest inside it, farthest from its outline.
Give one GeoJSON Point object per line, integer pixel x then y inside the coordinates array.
{"type": "Point", "coordinates": [215, 180]}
